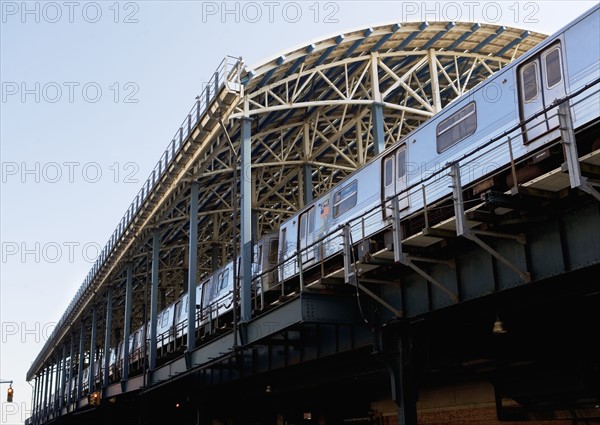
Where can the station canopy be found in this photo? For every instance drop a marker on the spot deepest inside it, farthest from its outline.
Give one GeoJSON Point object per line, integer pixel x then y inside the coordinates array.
{"type": "Point", "coordinates": [311, 112]}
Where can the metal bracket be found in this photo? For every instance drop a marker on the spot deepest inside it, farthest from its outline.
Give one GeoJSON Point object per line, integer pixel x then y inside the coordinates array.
{"type": "Point", "coordinates": [351, 278]}
{"type": "Point", "coordinates": [570, 147]}
{"type": "Point", "coordinates": [462, 230]}
{"type": "Point", "coordinates": [406, 260]}
{"type": "Point", "coordinates": [349, 274]}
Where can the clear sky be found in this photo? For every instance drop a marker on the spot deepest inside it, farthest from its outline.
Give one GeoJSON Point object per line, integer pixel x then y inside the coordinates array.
{"type": "Point", "coordinates": [92, 93]}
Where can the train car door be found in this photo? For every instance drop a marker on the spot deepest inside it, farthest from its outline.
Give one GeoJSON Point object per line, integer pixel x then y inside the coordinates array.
{"type": "Point", "coordinates": [541, 82]}
{"type": "Point", "coordinates": [394, 180]}
{"type": "Point", "coordinates": [306, 236]}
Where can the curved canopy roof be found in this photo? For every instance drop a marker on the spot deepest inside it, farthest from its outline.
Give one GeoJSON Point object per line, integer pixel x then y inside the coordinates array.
{"type": "Point", "coordinates": [312, 124]}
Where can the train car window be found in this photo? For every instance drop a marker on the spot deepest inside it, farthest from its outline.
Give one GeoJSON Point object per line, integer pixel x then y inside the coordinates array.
{"type": "Point", "coordinates": [274, 247]}
{"type": "Point", "coordinates": [345, 199]}
{"type": "Point", "coordinates": [401, 164]}
{"type": "Point", "coordinates": [529, 81]}
{"type": "Point", "coordinates": [178, 309]}
{"type": "Point", "coordinates": [389, 171]}
{"type": "Point", "coordinates": [283, 243]}
{"type": "Point", "coordinates": [259, 254]}
{"type": "Point", "coordinates": [311, 220]}
{"type": "Point", "coordinates": [457, 127]}
{"type": "Point", "coordinates": [303, 226]}
{"type": "Point", "coordinates": [223, 279]}
{"type": "Point", "coordinates": [553, 68]}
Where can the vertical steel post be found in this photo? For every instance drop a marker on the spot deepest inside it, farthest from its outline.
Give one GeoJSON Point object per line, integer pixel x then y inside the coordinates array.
{"type": "Point", "coordinates": [55, 383]}
{"type": "Point", "coordinates": [80, 363]}
{"type": "Point", "coordinates": [63, 377]}
{"type": "Point", "coordinates": [70, 375]}
{"type": "Point", "coordinates": [377, 107]}
{"type": "Point", "coordinates": [192, 267]}
{"type": "Point", "coordinates": [154, 298]}
{"type": "Point", "coordinates": [246, 221]}
{"type": "Point", "coordinates": [92, 374]}
{"type": "Point", "coordinates": [107, 337]}
{"type": "Point", "coordinates": [435, 85]}
{"type": "Point", "coordinates": [308, 184]}
{"type": "Point", "coordinates": [378, 138]}
{"type": "Point", "coordinates": [127, 324]}
{"type": "Point", "coordinates": [34, 398]}
{"type": "Point", "coordinates": [46, 383]}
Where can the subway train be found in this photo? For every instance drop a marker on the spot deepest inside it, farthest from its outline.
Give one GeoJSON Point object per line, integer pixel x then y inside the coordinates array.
{"type": "Point", "coordinates": [520, 96]}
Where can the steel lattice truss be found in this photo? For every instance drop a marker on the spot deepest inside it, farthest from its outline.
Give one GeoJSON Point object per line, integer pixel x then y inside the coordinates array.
{"type": "Point", "coordinates": [311, 112]}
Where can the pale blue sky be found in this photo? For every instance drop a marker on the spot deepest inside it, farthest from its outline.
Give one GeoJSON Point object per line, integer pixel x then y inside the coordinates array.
{"type": "Point", "coordinates": [155, 57]}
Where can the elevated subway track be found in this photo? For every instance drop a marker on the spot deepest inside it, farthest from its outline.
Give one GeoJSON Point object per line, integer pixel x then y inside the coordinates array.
{"type": "Point", "coordinates": [315, 113]}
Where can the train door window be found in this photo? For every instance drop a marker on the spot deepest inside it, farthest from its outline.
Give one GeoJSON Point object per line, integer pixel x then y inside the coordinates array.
{"type": "Point", "coordinates": [283, 243]}
{"type": "Point", "coordinates": [178, 306]}
{"type": "Point", "coordinates": [552, 63]}
{"type": "Point", "coordinates": [456, 127]}
{"type": "Point", "coordinates": [345, 199]}
{"type": "Point", "coordinates": [303, 226]}
{"type": "Point", "coordinates": [389, 171]}
{"type": "Point", "coordinates": [223, 279]}
{"type": "Point", "coordinates": [307, 219]}
{"type": "Point", "coordinates": [529, 82]}
{"type": "Point", "coordinates": [165, 319]}
{"type": "Point", "coordinates": [274, 246]}
{"type": "Point", "coordinates": [401, 164]}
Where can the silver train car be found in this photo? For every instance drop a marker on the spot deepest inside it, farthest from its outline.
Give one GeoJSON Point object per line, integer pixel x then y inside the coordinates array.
{"type": "Point", "coordinates": [562, 65]}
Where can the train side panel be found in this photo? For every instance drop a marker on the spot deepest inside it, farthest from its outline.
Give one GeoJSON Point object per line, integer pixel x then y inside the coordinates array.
{"type": "Point", "coordinates": [582, 57]}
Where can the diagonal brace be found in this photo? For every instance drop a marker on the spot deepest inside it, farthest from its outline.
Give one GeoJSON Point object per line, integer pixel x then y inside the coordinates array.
{"type": "Point", "coordinates": [403, 258]}
{"type": "Point", "coordinates": [351, 277]}
{"type": "Point", "coordinates": [463, 230]}
{"type": "Point", "coordinates": [570, 148]}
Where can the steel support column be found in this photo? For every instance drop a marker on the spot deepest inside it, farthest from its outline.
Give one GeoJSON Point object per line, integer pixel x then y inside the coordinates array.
{"type": "Point", "coordinates": [70, 375]}
{"type": "Point", "coordinates": [56, 378]}
{"type": "Point", "coordinates": [246, 221]}
{"type": "Point", "coordinates": [154, 298]}
{"type": "Point", "coordinates": [92, 375]}
{"type": "Point", "coordinates": [377, 107]}
{"type": "Point", "coordinates": [80, 363]}
{"type": "Point", "coordinates": [63, 377]}
{"type": "Point", "coordinates": [378, 134]}
{"type": "Point", "coordinates": [40, 395]}
{"type": "Point", "coordinates": [214, 255]}
{"type": "Point", "coordinates": [397, 356]}
{"type": "Point", "coordinates": [435, 85]}
{"type": "Point", "coordinates": [34, 396]}
{"type": "Point", "coordinates": [107, 337]}
{"type": "Point", "coordinates": [192, 267]}
{"type": "Point", "coordinates": [127, 324]}
{"type": "Point", "coordinates": [46, 395]}
{"type": "Point", "coordinates": [306, 184]}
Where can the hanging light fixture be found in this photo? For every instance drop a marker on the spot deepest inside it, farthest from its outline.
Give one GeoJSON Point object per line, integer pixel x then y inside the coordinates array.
{"type": "Point", "coordinates": [498, 327]}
